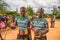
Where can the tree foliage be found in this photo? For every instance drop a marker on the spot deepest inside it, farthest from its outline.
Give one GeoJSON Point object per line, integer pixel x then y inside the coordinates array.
{"type": "Point", "coordinates": [3, 6]}
{"type": "Point", "coordinates": [47, 15]}
{"type": "Point", "coordinates": [58, 15]}
{"type": "Point", "coordinates": [12, 13]}
{"type": "Point", "coordinates": [29, 11]}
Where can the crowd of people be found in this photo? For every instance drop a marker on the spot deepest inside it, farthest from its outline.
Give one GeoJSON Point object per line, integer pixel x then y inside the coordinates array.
{"type": "Point", "coordinates": [38, 24]}
{"type": "Point", "coordinates": [6, 21]}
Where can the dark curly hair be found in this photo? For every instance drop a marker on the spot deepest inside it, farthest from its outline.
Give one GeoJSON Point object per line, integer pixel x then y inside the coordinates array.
{"type": "Point", "coordinates": [23, 9]}
{"type": "Point", "coordinates": [40, 10]}
{"type": "Point", "coordinates": [2, 19]}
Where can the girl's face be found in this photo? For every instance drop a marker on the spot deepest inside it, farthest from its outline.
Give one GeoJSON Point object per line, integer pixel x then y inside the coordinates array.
{"type": "Point", "coordinates": [39, 13]}
{"type": "Point", "coordinates": [8, 17]}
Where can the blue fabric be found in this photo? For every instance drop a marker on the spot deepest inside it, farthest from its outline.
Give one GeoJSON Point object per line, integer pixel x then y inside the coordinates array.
{"type": "Point", "coordinates": [22, 24]}
{"type": "Point", "coordinates": [40, 25]}
{"type": "Point", "coordinates": [1, 17]}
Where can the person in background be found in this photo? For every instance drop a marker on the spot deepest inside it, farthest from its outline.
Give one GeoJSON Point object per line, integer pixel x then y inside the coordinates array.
{"type": "Point", "coordinates": [2, 26]}
{"type": "Point", "coordinates": [2, 23]}
{"type": "Point", "coordinates": [40, 26]}
{"type": "Point", "coordinates": [6, 19]}
{"type": "Point", "coordinates": [53, 20]}
{"type": "Point", "coordinates": [8, 22]}
{"type": "Point", "coordinates": [12, 23]}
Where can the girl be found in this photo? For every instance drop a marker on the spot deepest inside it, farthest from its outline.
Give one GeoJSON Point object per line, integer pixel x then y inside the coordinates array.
{"type": "Point", "coordinates": [2, 26]}
{"type": "Point", "coordinates": [12, 23]}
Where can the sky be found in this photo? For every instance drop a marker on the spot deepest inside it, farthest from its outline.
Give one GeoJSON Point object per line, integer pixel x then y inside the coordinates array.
{"type": "Point", "coordinates": [47, 5]}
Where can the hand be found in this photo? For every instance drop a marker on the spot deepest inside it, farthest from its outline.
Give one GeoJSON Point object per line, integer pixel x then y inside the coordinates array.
{"type": "Point", "coordinates": [36, 31]}
{"type": "Point", "coordinates": [40, 35]}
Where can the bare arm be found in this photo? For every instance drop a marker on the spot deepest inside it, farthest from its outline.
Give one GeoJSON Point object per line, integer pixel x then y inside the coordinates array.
{"type": "Point", "coordinates": [46, 29]}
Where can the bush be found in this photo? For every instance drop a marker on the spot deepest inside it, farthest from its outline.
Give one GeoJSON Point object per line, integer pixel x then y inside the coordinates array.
{"type": "Point", "coordinates": [58, 15]}
{"type": "Point", "coordinates": [47, 15]}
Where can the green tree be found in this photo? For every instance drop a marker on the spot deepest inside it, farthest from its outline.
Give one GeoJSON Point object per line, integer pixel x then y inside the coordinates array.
{"type": "Point", "coordinates": [3, 6]}
{"type": "Point", "coordinates": [12, 13]}
{"type": "Point", "coordinates": [29, 11]}
{"type": "Point", "coordinates": [58, 15]}
{"type": "Point", "coordinates": [54, 10]}
{"type": "Point", "coordinates": [47, 15]}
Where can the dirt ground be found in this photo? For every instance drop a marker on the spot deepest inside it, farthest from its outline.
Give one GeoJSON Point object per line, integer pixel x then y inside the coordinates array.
{"type": "Point", "coordinates": [53, 34]}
